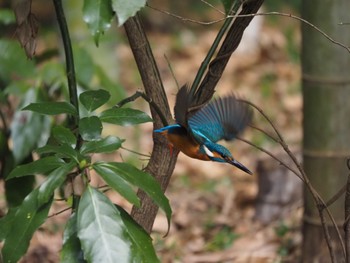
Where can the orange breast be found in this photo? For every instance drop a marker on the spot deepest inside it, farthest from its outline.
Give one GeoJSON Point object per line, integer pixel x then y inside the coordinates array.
{"type": "Point", "coordinates": [186, 145]}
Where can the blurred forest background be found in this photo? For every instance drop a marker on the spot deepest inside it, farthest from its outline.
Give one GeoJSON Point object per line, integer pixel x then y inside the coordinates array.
{"type": "Point", "coordinates": [219, 213]}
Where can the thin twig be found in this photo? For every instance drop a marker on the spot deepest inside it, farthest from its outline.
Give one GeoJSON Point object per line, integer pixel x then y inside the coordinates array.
{"type": "Point", "coordinates": [321, 205]}
{"type": "Point", "coordinates": [146, 98]}
{"type": "Point", "coordinates": [141, 154]}
{"type": "Point", "coordinates": [183, 19]}
{"type": "Point", "coordinates": [172, 71]}
{"type": "Point", "coordinates": [60, 212]}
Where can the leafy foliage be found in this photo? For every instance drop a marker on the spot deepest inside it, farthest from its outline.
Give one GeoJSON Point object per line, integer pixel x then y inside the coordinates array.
{"type": "Point", "coordinates": [98, 230]}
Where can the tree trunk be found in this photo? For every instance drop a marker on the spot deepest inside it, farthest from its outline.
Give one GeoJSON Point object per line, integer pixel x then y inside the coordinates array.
{"type": "Point", "coordinates": [326, 93]}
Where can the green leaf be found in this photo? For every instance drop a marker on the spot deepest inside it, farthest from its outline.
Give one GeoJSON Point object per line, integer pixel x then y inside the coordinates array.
{"type": "Point", "coordinates": [28, 129]}
{"type": "Point", "coordinates": [52, 108]}
{"type": "Point", "coordinates": [41, 166]}
{"type": "Point", "coordinates": [64, 136]}
{"type": "Point", "coordinates": [143, 180]}
{"type": "Point", "coordinates": [7, 16]}
{"type": "Point", "coordinates": [141, 241]}
{"type": "Point", "coordinates": [105, 145]}
{"type": "Point", "coordinates": [98, 15]}
{"type": "Point", "coordinates": [227, 5]}
{"type": "Point", "coordinates": [116, 91]}
{"type": "Point", "coordinates": [90, 128]}
{"type": "Point", "coordinates": [6, 222]}
{"type": "Point", "coordinates": [13, 62]}
{"type": "Point", "coordinates": [84, 66]}
{"type": "Point", "coordinates": [100, 229]}
{"type": "Point", "coordinates": [117, 182]}
{"type": "Point", "coordinates": [126, 9]}
{"type": "Point", "coordinates": [29, 216]}
{"type": "Point", "coordinates": [71, 251]}
{"type": "Point", "coordinates": [93, 99]}
{"type": "Point", "coordinates": [17, 189]}
{"type": "Point", "coordinates": [124, 116]}
{"type": "Point", "coordinates": [54, 180]}
{"type": "Point", "coordinates": [63, 150]}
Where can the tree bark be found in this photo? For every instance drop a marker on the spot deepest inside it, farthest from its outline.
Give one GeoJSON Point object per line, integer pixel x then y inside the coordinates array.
{"type": "Point", "coordinates": [326, 124]}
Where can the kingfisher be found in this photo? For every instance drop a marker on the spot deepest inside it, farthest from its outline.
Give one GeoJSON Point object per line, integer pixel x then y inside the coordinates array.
{"type": "Point", "coordinates": [199, 127]}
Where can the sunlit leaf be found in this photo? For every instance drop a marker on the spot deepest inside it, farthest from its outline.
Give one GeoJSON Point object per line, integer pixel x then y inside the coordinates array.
{"type": "Point", "coordinates": [52, 108]}
{"type": "Point", "coordinates": [41, 166]}
{"type": "Point", "coordinates": [90, 128]}
{"type": "Point", "coordinates": [29, 216]}
{"type": "Point", "coordinates": [101, 230]}
{"type": "Point", "coordinates": [140, 179]}
{"type": "Point", "coordinates": [98, 15]}
{"type": "Point", "coordinates": [141, 240]}
{"type": "Point", "coordinates": [54, 180]}
{"type": "Point", "coordinates": [126, 8]}
{"type": "Point", "coordinates": [118, 183]}
{"type": "Point", "coordinates": [64, 135]}
{"type": "Point", "coordinates": [124, 116]}
{"type": "Point", "coordinates": [105, 145]}
{"type": "Point", "coordinates": [93, 99]}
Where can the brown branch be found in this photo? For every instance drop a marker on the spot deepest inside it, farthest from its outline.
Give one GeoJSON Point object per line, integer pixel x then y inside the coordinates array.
{"type": "Point", "coordinates": [161, 163]}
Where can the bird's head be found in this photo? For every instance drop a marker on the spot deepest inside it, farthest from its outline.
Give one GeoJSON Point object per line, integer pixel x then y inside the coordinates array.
{"type": "Point", "coordinates": [219, 153]}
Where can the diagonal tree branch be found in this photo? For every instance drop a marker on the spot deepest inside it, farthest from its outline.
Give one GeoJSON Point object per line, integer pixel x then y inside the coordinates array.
{"type": "Point", "coordinates": [161, 163]}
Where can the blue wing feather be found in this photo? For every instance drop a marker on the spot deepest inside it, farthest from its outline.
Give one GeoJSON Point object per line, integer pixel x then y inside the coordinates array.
{"type": "Point", "coordinates": [223, 118]}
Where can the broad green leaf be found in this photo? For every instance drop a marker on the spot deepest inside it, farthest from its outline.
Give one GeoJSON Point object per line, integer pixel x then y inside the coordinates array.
{"type": "Point", "coordinates": [124, 116]}
{"type": "Point", "coordinates": [17, 189]}
{"type": "Point", "coordinates": [28, 129]}
{"type": "Point", "coordinates": [54, 180]}
{"type": "Point", "coordinates": [63, 150]}
{"type": "Point", "coordinates": [101, 230]}
{"type": "Point", "coordinates": [116, 91]}
{"type": "Point", "coordinates": [227, 5]}
{"type": "Point", "coordinates": [143, 180]}
{"type": "Point", "coordinates": [118, 183]}
{"type": "Point", "coordinates": [71, 251]}
{"type": "Point", "coordinates": [105, 145]}
{"type": "Point", "coordinates": [141, 240]}
{"type": "Point", "coordinates": [90, 128]}
{"type": "Point", "coordinates": [13, 62]}
{"type": "Point", "coordinates": [84, 66]}
{"type": "Point", "coordinates": [29, 216]}
{"type": "Point", "coordinates": [93, 99]}
{"type": "Point", "coordinates": [7, 16]}
{"type": "Point", "coordinates": [64, 135]}
{"type": "Point", "coordinates": [126, 8]}
{"type": "Point", "coordinates": [98, 15]}
{"type": "Point", "coordinates": [6, 222]}
{"type": "Point", "coordinates": [52, 108]}
{"type": "Point", "coordinates": [41, 166]}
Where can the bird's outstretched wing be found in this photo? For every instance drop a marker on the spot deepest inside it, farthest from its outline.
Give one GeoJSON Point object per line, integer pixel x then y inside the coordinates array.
{"type": "Point", "coordinates": [222, 118]}
{"type": "Point", "coordinates": [187, 104]}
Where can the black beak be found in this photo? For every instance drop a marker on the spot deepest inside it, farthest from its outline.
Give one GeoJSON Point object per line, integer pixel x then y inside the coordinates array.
{"type": "Point", "coordinates": [239, 165]}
